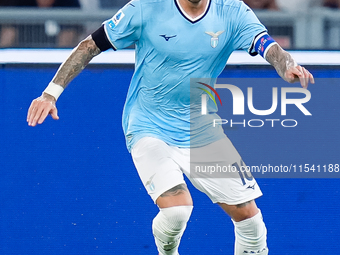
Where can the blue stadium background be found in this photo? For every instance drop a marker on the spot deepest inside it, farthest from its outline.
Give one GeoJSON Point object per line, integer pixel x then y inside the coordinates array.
{"type": "Point", "coordinates": [69, 186]}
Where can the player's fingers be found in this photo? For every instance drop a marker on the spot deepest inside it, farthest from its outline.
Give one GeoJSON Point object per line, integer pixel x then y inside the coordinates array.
{"type": "Point", "coordinates": [293, 75]}
{"type": "Point", "coordinates": [40, 111]}
{"type": "Point", "coordinates": [30, 110]}
{"type": "Point", "coordinates": [299, 74]}
{"type": "Point", "coordinates": [36, 116]}
{"type": "Point", "coordinates": [303, 75]}
{"type": "Point", "coordinates": [44, 113]}
{"type": "Point", "coordinates": [297, 71]}
{"type": "Point", "coordinates": [304, 79]}
{"type": "Point", "coordinates": [54, 113]}
{"type": "Point", "coordinates": [310, 77]}
{"type": "Point", "coordinates": [49, 108]}
{"type": "Point", "coordinates": [33, 111]}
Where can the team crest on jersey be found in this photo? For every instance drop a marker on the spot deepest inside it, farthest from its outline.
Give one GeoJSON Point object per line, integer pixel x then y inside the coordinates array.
{"type": "Point", "coordinates": [214, 38]}
{"type": "Point", "coordinates": [116, 19]}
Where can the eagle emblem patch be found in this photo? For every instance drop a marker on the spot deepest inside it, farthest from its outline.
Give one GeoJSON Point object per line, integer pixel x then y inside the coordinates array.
{"type": "Point", "coordinates": [214, 38]}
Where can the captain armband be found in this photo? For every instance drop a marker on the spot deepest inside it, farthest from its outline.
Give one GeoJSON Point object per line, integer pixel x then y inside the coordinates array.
{"type": "Point", "coordinates": [262, 43]}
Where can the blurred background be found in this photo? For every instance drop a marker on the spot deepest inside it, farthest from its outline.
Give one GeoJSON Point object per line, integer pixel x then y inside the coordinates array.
{"type": "Point", "coordinates": [70, 186]}
{"type": "Point", "coordinates": [303, 24]}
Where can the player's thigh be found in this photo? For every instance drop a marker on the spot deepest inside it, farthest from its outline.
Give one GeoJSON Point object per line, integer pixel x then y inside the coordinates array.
{"type": "Point", "coordinates": [241, 211]}
{"type": "Point", "coordinates": [161, 176]}
{"type": "Point", "coordinates": [218, 170]}
{"type": "Point", "coordinates": [176, 196]}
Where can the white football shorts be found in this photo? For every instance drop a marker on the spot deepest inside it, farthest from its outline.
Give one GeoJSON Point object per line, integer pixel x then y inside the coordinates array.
{"type": "Point", "coordinates": [215, 169]}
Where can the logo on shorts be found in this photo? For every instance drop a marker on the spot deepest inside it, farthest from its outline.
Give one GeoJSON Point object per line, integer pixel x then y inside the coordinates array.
{"type": "Point", "coordinates": [251, 187]}
{"type": "Point", "coordinates": [149, 184]}
{"type": "Point", "coordinates": [152, 186]}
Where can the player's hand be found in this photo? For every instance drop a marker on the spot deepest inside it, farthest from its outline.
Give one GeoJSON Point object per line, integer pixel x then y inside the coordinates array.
{"type": "Point", "coordinates": [299, 74]}
{"type": "Point", "coordinates": [40, 108]}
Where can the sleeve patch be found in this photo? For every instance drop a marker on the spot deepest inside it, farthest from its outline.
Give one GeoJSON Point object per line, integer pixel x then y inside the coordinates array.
{"type": "Point", "coordinates": [116, 19]}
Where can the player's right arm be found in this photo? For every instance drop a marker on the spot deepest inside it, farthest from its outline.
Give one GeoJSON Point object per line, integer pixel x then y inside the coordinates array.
{"type": "Point", "coordinates": [119, 32]}
{"type": "Point", "coordinates": [69, 69]}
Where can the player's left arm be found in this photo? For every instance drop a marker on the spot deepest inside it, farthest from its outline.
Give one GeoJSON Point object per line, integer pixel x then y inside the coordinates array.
{"type": "Point", "coordinates": [287, 68]}
{"type": "Point", "coordinates": [252, 36]}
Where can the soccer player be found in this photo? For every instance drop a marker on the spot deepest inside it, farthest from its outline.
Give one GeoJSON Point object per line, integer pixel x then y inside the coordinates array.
{"type": "Point", "coordinates": [177, 40]}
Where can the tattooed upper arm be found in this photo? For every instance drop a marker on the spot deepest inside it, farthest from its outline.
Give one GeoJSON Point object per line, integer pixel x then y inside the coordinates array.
{"type": "Point", "coordinates": [280, 59]}
{"type": "Point", "coordinates": [76, 62]}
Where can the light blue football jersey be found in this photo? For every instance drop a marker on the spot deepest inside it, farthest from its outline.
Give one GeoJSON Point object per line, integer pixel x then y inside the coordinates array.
{"type": "Point", "coordinates": [171, 48]}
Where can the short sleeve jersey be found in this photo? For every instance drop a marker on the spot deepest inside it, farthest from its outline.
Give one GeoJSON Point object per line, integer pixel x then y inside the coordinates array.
{"type": "Point", "coordinates": [172, 48]}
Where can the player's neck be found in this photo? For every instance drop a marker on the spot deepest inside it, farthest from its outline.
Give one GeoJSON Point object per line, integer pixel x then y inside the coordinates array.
{"type": "Point", "coordinates": [193, 8]}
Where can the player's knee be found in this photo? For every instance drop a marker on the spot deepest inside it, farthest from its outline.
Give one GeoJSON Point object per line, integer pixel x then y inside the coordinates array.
{"type": "Point", "coordinates": [251, 236]}
{"type": "Point", "coordinates": [173, 218]}
{"type": "Point", "coordinates": [168, 227]}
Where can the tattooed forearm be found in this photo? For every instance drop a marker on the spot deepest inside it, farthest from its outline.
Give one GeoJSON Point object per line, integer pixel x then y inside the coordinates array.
{"type": "Point", "coordinates": [280, 59]}
{"type": "Point", "coordinates": [76, 62]}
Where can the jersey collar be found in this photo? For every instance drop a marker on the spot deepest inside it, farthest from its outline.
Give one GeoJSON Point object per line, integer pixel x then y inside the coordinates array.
{"type": "Point", "coordinates": [185, 15]}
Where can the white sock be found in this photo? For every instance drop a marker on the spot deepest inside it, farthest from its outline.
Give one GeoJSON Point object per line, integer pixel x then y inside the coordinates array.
{"type": "Point", "coordinates": [168, 227]}
{"type": "Point", "coordinates": [251, 236]}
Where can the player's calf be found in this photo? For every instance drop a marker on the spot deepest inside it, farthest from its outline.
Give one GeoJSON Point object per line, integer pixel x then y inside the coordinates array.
{"type": "Point", "coordinates": [251, 236]}
{"type": "Point", "coordinates": [168, 227]}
